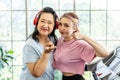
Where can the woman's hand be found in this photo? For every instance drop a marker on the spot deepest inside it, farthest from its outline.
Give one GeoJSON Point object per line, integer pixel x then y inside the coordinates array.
{"type": "Point", "coordinates": [49, 47]}
{"type": "Point", "coordinates": [77, 34]}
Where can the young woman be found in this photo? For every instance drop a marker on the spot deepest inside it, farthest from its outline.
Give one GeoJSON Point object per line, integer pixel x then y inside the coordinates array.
{"type": "Point", "coordinates": [71, 55]}
{"type": "Point", "coordinates": [38, 50]}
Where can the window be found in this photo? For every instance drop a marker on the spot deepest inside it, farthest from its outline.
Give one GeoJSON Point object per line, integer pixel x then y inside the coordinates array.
{"type": "Point", "coordinates": [99, 19]}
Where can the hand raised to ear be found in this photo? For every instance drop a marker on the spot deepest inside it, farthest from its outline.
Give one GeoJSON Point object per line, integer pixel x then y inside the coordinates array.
{"type": "Point", "coordinates": [77, 34]}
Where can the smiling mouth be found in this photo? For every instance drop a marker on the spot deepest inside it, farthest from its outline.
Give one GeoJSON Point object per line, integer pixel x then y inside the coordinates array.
{"type": "Point", "coordinates": [61, 32]}
{"type": "Point", "coordinates": [44, 29]}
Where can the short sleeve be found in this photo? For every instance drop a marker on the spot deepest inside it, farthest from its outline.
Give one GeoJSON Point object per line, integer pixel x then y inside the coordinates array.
{"type": "Point", "coordinates": [88, 54]}
{"type": "Point", "coordinates": [30, 54]}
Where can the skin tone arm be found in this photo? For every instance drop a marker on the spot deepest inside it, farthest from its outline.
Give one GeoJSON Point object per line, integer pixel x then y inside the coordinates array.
{"type": "Point", "coordinates": [39, 67]}
{"type": "Point", "coordinates": [100, 51]}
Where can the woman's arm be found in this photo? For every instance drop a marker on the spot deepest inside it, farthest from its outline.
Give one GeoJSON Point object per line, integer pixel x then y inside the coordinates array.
{"type": "Point", "coordinates": [100, 51]}
{"type": "Point", "coordinates": [39, 67]}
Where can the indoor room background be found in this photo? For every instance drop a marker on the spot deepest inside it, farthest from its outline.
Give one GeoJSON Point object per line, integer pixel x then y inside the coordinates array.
{"type": "Point", "coordinates": [99, 19]}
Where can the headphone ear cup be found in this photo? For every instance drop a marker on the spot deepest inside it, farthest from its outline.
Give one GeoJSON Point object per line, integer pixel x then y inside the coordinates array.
{"type": "Point", "coordinates": [35, 21]}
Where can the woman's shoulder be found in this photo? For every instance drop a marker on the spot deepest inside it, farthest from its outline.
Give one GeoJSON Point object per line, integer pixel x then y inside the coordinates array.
{"type": "Point", "coordinates": [82, 42]}
{"type": "Point", "coordinates": [30, 41]}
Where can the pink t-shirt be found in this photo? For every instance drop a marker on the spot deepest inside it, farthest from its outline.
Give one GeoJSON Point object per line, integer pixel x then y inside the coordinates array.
{"type": "Point", "coordinates": [71, 56]}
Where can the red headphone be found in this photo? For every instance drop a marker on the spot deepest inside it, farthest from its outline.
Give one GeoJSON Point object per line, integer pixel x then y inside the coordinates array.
{"type": "Point", "coordinates": [36, 18]}
{"type": "Point", "coordinates": [35, 21]}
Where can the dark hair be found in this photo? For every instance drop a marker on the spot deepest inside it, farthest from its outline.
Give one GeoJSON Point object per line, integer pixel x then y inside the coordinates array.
{"type": "Point", "coordinates": [52, 35]}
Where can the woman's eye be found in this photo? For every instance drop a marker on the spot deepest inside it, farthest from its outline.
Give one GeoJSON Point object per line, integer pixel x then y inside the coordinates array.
{"type": "Point", "coordinates": [49, 22]}
{"type": "Point", "coordinates": [66, 25]}
{"type": "Point", "coordinates": [43, 21]}
{"type": "Point", "coordinates": [59, 24]}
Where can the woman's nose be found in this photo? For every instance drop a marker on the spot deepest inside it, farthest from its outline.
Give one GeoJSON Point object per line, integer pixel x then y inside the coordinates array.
{"type": "Point", "coordinates": [45, 25]}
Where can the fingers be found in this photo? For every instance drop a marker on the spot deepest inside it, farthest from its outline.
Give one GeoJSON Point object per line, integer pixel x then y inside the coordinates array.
{"type": "Point", "coordinates": [76, 28]}
{"type": "Point", "coordinates": [52, 47]}
{"type": "Point", "coordinates": [49, 47]}
{"type": "Point", "coordinates": [77, 35]}
{"type": "Point", "coordinates": [49, 44]}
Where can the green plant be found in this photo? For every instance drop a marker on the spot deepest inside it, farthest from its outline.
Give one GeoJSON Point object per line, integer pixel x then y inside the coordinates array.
{"type": "Point", "coordinates": [5, 57]}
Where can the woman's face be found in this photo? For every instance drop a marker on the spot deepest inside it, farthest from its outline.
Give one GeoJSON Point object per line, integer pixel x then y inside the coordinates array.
{"type": "Point", "coordinates": [45, 24]}
{"type": "Point", "coordinates": [66, 27]}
